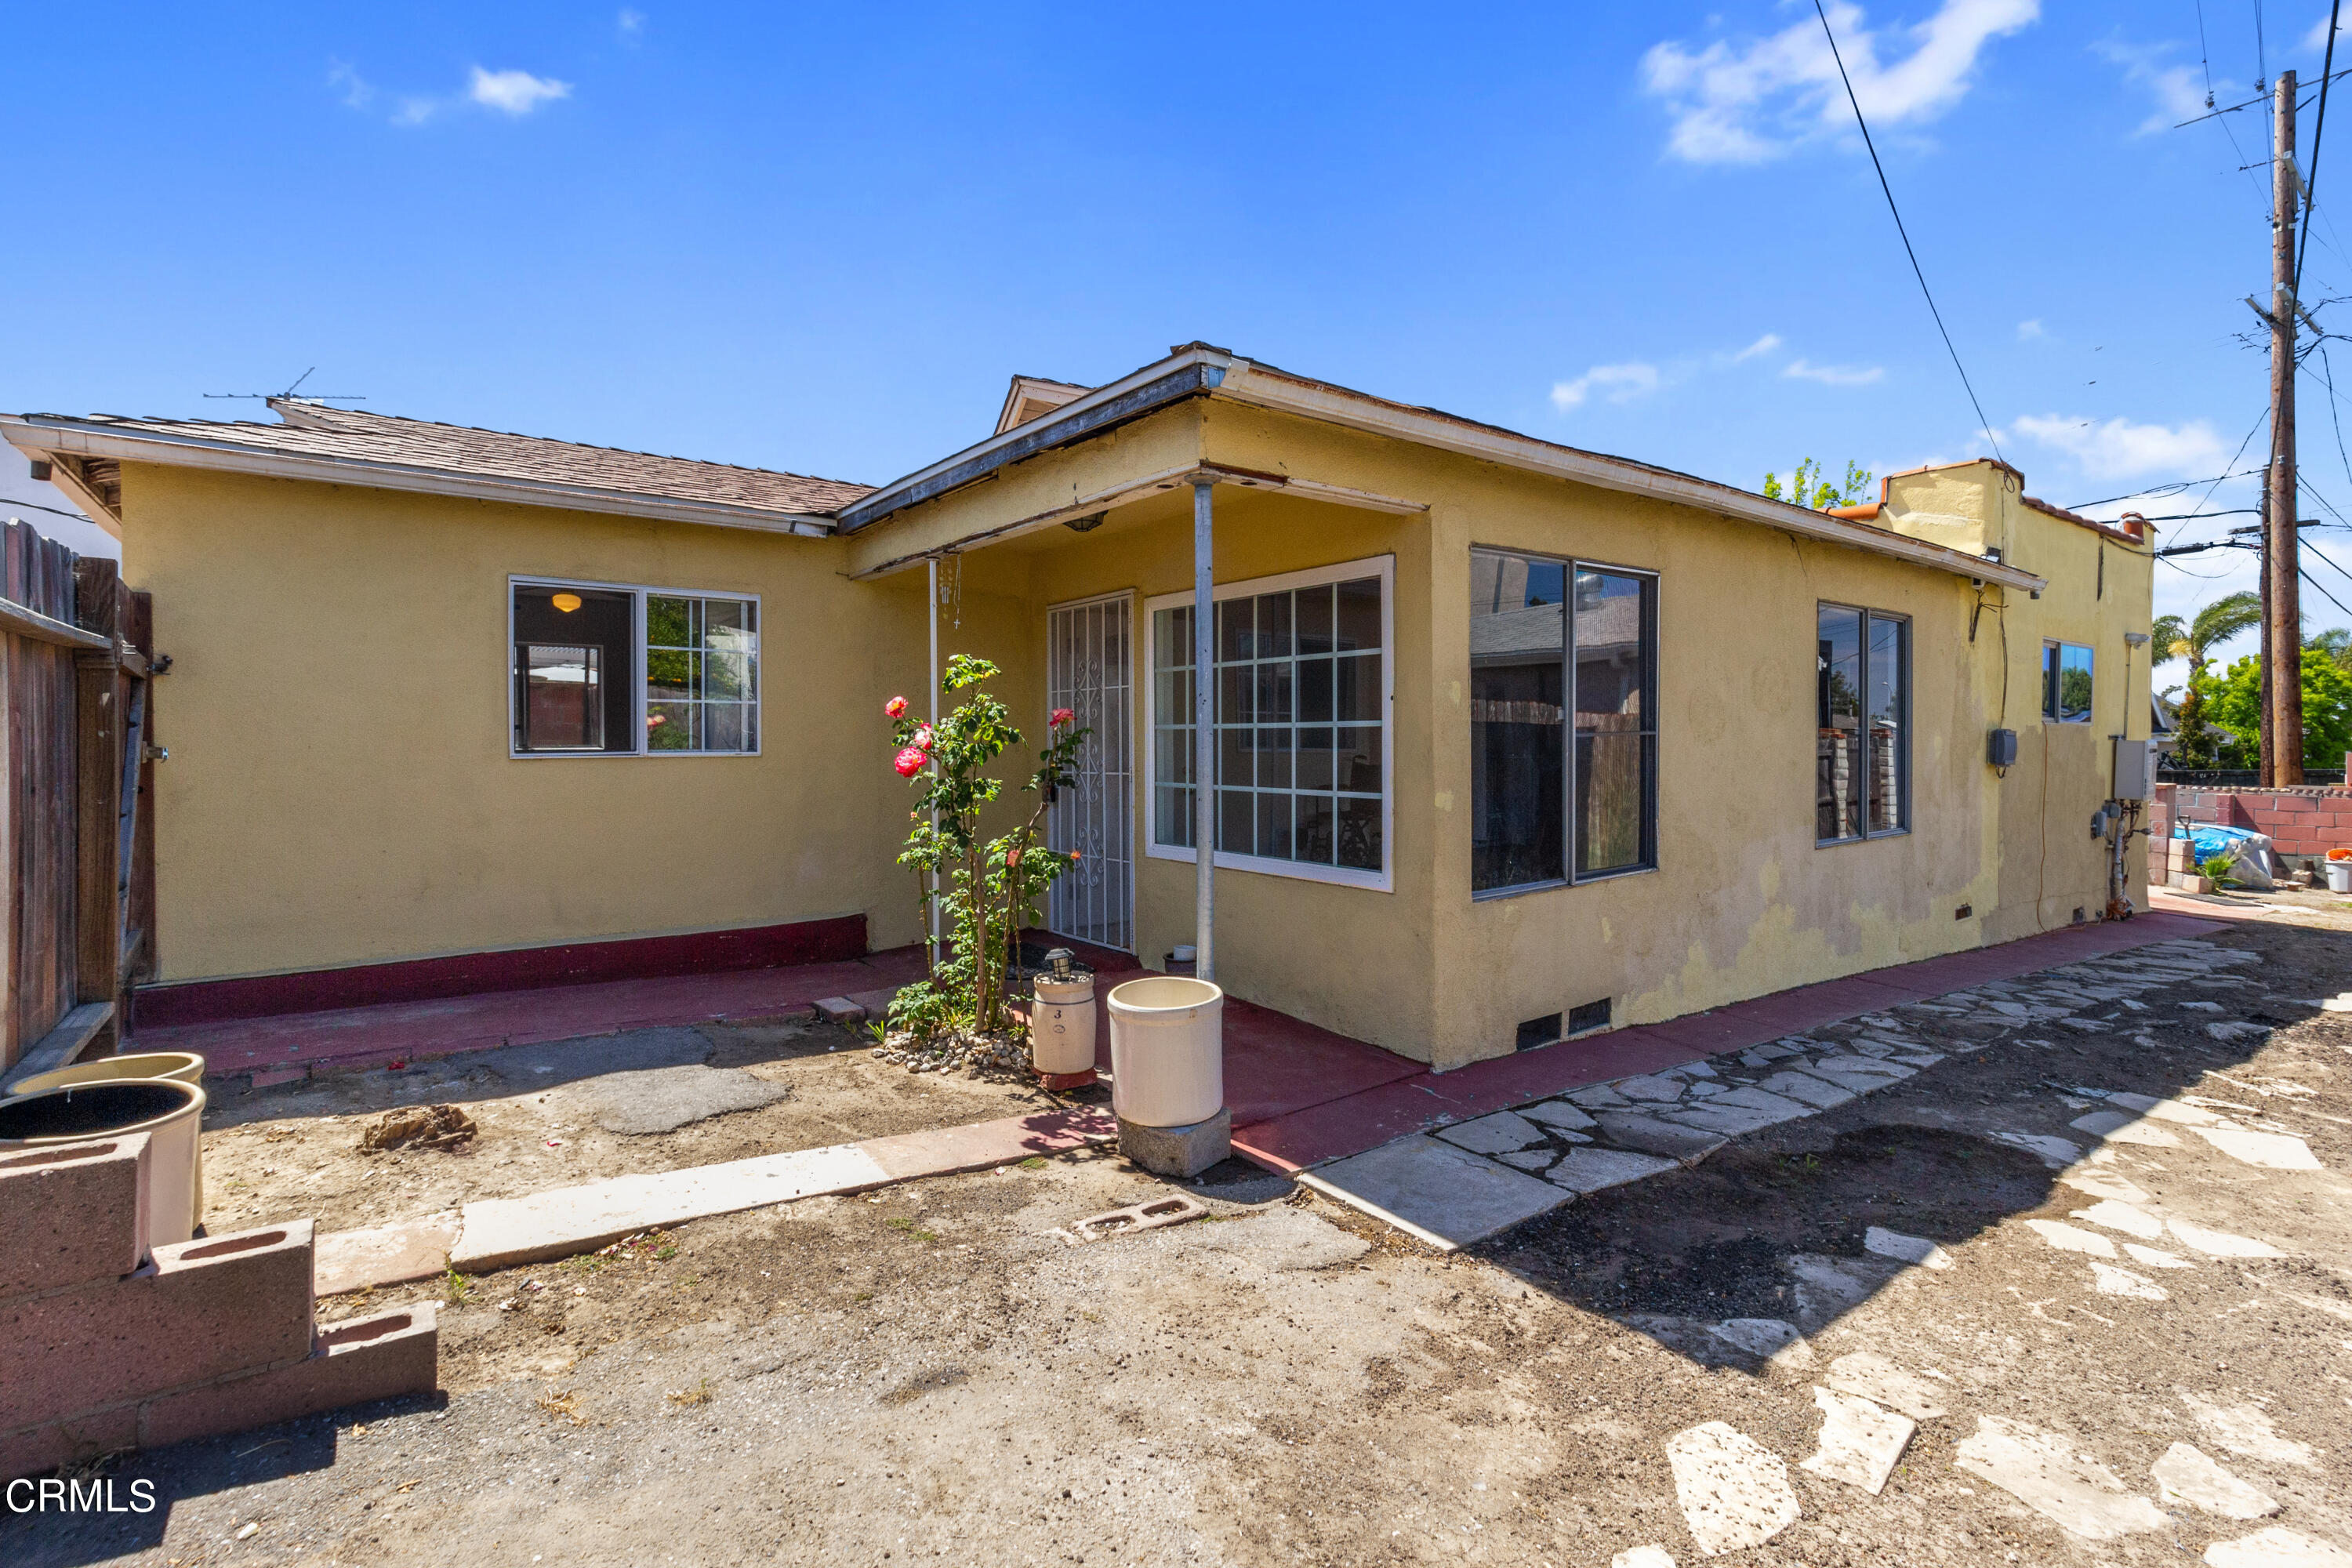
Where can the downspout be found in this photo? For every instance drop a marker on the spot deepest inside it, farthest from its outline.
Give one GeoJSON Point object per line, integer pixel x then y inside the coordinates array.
{"type": "Point", "coordinates": [1205, 732]}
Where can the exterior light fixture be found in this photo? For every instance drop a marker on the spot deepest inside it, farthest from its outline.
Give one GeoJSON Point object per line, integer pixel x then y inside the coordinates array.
{"type": "Point", "coordinates": [567, 603]}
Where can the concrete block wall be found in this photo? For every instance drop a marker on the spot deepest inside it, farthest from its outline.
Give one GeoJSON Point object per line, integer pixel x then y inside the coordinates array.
{"type": "Point", "coordinates": [2304, 825]}
{"type": "Point", "coordinates": [106, 1343]}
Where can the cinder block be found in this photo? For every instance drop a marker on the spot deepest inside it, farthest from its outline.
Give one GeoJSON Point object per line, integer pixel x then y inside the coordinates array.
{"type": "Point", "coordinates": [202, 1309]}
{"type": "Point", "coordinates": [1180, 1151]}
{"type": "Point", "coordinates": [68, 1442]}
{"type": "Point", "coordinates": [72, 1214]}
{"type": "Point", "coordinates": [373, 1357]}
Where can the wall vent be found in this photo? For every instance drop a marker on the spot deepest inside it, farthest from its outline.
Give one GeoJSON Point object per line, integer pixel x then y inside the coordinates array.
{"type": "Point", "coordinates": [1591, 1017]}
{"type": "Point", "coordinates": [1540, 1031]}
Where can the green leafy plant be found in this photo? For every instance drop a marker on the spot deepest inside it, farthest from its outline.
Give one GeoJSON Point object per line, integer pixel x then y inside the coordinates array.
{"type": "Point", "coordinates": [2217, 867]}
{"type": "Point", "coordinates": [986, 887]}
{"type": "Point", "coordinates": [455, 1286]}
{"type": "Point", "coordinates": [2235, 703]}
{"type": "Point", "coordinates": [1809, 485]}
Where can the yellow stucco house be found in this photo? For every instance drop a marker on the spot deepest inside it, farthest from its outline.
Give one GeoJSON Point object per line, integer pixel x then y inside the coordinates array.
{"type": "Point", "coordinates": [1510, 740]}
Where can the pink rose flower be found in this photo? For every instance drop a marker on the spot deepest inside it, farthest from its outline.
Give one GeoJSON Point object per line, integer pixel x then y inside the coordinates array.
{"type": "Point", "coordinates": [1062, 716]}
{"type": "Point", "coordinates": [908, 761]}
{"type": "Point", "coordinates": [896, 708]}
{"type": "Point", "coordinates": [923, 738]}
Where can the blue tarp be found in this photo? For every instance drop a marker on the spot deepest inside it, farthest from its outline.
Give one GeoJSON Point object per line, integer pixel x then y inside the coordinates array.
{"type": "Point", "coordinates": [2249, 851]}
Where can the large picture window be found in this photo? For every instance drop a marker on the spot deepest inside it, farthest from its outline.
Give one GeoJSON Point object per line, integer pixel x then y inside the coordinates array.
{"type": "Point", "coordinates": [598, 668]}
{"type": "Point", "coordinates": [1563, 720]}
{"type": "Point", "coordinates": [1302, 688]}
{"type": "Point", "coordinates": [1862, 744]}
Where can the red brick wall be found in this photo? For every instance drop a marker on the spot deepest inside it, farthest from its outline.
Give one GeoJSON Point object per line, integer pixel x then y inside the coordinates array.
{"type": "Point", "coordinates": [2304, 825]}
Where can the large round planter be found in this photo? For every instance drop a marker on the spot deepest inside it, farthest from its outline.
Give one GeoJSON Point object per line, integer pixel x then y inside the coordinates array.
{"type": "Point", "coordinates": [170, 1113]}
{"type": "Point", "coordinates": [1062, 1031]}
{"type": "Point", "coordinates": [179, 1066]}
{"type": "Point", "coordinates": [1167, 1051]}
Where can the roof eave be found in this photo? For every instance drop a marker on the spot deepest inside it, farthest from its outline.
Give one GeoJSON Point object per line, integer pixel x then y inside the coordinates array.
{"type": "Point", "coordinates": [38, 434]}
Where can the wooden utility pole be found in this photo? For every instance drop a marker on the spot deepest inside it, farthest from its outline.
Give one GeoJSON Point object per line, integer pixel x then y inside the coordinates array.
{"type": "Point", "coordinates": [2283, 624]}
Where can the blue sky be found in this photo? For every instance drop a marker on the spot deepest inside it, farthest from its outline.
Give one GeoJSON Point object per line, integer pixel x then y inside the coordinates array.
{"type": "Point", "coordinates": [821, 238]}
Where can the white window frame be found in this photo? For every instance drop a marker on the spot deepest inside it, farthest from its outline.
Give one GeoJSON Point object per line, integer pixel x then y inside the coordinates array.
{"type": "Point", "coordinates": [1382, 880]}
{"type": "Point", "coordinates": [637, 593]}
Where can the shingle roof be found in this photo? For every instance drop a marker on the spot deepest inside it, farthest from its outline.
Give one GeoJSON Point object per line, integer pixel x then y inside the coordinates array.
{"type": "Point", "coordinates": [317, 430]}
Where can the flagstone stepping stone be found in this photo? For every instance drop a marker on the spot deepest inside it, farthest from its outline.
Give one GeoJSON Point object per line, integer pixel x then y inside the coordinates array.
{"type": "Point", "coordinates": [2107, 1184]}
{"type": "Point", "coordinates": [2046, 1473]}
{"type": "Point", "coordinates": [1827, 1288]}
{"type": "Point", "coordinates": [2056, 1153]}
{"type": "Point", "coordinates": [1658, 1091]}
{"type": "Point", "coordinates": [1915, 1249]}
{"type": "Point", "coordinates": [1817, 1093]}
{"type": "Point", "coordinates": [2110, 1280]}
{"type": "Point", "coordinates": [2270, 1151]}
{"type": "Point", "coordinates": [1648, 1135]}
{"type": "Point", "coordinates": [2071, 1238]}
{"type": "Point", "coordinates": [1703, 1090]}
{"type": "Point", "coordinates": [2245, 1429]}
{"type": "Point", "coordinates": [1763, 1338]}
{"type": "Point", "coordinates": [1859, 1441]}
{"type": "Point", "coordinates": [1922, 1059]}
{"type": "Point", "coordinates": [1443, 1191]}
{"type": "Point", "coordinates": [2163, 1110]}
{"type": "Point", "coordinates": [1734, 1492]}
{"type": "Point", "coordinates": [1874, 1378]}
{"type": "Point", "coordinates": [1780, 1108]}
{"type": "Point", "coordinates": [2117, 1127]}
{"type": "Point", "coordinates": [1849, 1072]}
{"type": "Point", "coordinates": [1599, 1097]}
{"type": "Point", "coordinates": [1530, 1159]}
{"type": "Point", "coordinates": [1497, 1134]}
{"type": "Point", "coordinates": [2275, 1546]}
{"type": "Point", "coordinates": [1590, 1170]}
{"type": "Point", "coordinates": [1557, 1114]}
{"type": "Point", "coordinates": [2129, 1218]}
{"type": "Point", "coordinates": [2156, 1257]}
{"type": "Point", "coordinates": [2187, 1474]}
{"type": "Point", "coordinates": [2220, 1243]}
{"type": "Point", "coordinates": [1730, 1121]}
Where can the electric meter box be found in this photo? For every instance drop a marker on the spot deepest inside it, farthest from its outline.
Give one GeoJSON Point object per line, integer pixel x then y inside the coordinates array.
{"type": "Point", "coordinates": [2000, 749]}
{"type": "Point", "coordinates": [2135, 769]}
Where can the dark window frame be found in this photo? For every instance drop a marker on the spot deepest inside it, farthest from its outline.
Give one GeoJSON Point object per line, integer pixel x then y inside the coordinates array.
{"type": "Point", "coordinates": [629, 668]}
{"type": "Point", "coordinates": [1571, 837]}
{"type": "Point", "coordinates": [1905, 663]}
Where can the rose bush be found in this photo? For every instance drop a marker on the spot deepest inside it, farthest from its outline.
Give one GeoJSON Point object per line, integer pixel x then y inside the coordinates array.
{"type": "Point", "coordinates": [986, 889]}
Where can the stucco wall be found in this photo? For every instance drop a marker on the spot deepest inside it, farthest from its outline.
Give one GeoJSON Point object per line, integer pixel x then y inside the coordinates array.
{"type": "Point", "coordinates": [339, 791]}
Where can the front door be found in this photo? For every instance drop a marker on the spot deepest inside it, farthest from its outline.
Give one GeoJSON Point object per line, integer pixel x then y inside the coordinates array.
{"type": "Point", "coordinates": [1089, 669]}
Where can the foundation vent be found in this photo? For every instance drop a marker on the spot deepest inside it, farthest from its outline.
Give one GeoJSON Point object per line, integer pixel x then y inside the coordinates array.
{"type": "Point", "coordinates": [1591, 1017]}
{"type": "Point", "coordinates": [1540, 1031]}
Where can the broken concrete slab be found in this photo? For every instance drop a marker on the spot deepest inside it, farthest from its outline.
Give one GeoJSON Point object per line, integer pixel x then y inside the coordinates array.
{"type": "Point", "coordinates": [1904, 1249]}
{"type": "Point", "coordinates": [1649, 1135]}
{"type": "Point", "coordinates": [2117, 1127]}
{"type": "Point", "coordinates": [2129, 1218]}
{"type": "Point", "coordinates": [2109, 1281]}
{"type": "Point", "coordinates": [2047, 1473]}
{"type": "Point", "coordinates": [2186, 1474]}
{"type": "Point", "coordinates": [2071, 1238]}
{"type": "Point", "coordinates": [1731, 1120]}
{"type": "Point", "coordinates": [2270, 1150]}
{"type": "Point", "coordinates": [2220, 1243]}
{"type": "Point", "coordinates": [1643, 1557]}
{"type": "Point", "coordinates": [2245, 1429]}
{"type": "Point", "coordinates": [1734, 1492]}
{"type": "Point", "coordinates": [2107, 1184]}
{"type": "Point", "coordinates": [2155, 1256]}
{"type": "Point", "coordinates": [1497, 1134]}
{"type": "Point", "coordinates": [1599, 1097]}
{"type": "Point", "coordinates": [1447, 1196]}
{"type": "Point", "coordinates": [2162, 1110]}
{"type": "Point", "coordinates": [1827, 1288]}
{"type": "Point", "coordinates": [1859, 1441]}
{"type": "Point", "coordinates": [1780, 1108]}
{"type": "Point", "coordinates": [385, 1255]}
{"type": "Point", "coordinates": [663, 1100]}
{"type": "Point", "coordinates": [1559, 1115]}
{"type": "Point", "coordinates": [2275, 1546]}
{"type": "Point", "coordinates": [1818, 1092]}
{"type": "Point", "coordinates": [2056, 1153]}
{"type": "Point", "coordinates": [1659, 1090]}
{"type": "Point", "coordinates": [1589, 1170]}
{"type": "Point", "coordinates": [1765, 1339]}
{"type": "Point", "coordinates": [1874, 1377]}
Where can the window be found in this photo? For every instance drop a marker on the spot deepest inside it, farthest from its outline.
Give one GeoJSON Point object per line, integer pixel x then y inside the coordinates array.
{"type": "Point", "coordinates": [1553, 801]}
{"type": "Point", "coordinates": [1302, 733]}
{"type": "Point", "coordinates": [597, 667]}
{"type": "Point", "coordinates": [1862, 750]}
{"type": "Point", "coordinates": [2066, 683]}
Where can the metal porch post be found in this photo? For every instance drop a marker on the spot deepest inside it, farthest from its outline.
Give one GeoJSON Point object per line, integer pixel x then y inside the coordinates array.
{"type": "Point", "coordinates": [931, 613]}
{"type": "Point", "coordinates": [1205, 732]}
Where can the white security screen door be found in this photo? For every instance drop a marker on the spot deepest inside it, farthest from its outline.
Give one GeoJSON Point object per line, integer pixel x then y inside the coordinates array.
{"type": "Point", "coordinates": [1089, 669]}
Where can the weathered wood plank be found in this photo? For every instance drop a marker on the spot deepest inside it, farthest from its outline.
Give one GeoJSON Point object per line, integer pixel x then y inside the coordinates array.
{"type": "Point", "coordinates": [98, 812]}
{"type": "Point", "coordinates": [84, 1027]}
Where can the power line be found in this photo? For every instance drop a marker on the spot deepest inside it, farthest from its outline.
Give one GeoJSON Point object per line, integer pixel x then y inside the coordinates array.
{"type": "Point", "coordinates": [2318, 129]}
{"type": "Point", "coordinates": [1915, 270]}
{"type": "Point", "coordinates": [37, 506]}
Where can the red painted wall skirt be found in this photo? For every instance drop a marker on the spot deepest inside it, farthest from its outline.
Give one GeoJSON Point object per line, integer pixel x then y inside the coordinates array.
{"type": "Point", "coordinates": [524, 969]}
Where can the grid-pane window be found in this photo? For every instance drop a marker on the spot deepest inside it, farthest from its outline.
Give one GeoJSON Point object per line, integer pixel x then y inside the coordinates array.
{"type": "Point", "coordinates": [1301, 693]}
{"type": "Point", "coordinates": [2066, 683]}
{"type": "Point", "coordinates": [1563, 720]}
{"type": "Point", "coordinates": [599, 668]}
{"type": "Point", "coordinates": [1862, 755]}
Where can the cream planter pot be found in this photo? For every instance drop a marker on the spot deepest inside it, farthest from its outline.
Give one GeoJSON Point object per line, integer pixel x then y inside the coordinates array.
{"type": "Point", "coordinates": [1167, 1051]}
{"type": "Point", "coordinates": [1061, 1026]}
{"type": "Point", "coordinates": [179, 1066]}
{"type": "Point", "coordinates": [170, 1113]}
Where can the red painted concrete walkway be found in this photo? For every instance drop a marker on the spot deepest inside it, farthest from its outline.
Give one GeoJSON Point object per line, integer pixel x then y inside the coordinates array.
{"type": "Point", "coordinates": [1300, 1095]}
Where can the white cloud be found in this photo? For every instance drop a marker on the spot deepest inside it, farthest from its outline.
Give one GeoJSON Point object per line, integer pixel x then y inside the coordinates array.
{"type": "Point", "coordinates": [514, 92]}
{"type": "Point", "coordinates": [2315, 40]}
{"type": "Point", "coordinates": [356, 93]}
{"type": "Point", "coordinates": [631, 23]}
{"type": "Point", "coordinates": [2178, 89]}
{"type": "Point", "coordinates": [1763, 345]}
{"type": "Point", "coordinates": [1759, 97]}
{"type": "Point", "coordinates": [1617, 383]}
{"type": "Point", "coordinates": [2119, 449]}
{"type": "Point", "coordinates": [1835, 375]}
{"type": "Point", "coordinates": [2028, 331]}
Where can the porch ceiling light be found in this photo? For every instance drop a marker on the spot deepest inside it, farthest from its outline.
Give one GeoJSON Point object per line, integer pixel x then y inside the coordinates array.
{"type": "Point", "coordinates": [1086, 524]}
{"type": "Point", "coordinates": [567, 603]}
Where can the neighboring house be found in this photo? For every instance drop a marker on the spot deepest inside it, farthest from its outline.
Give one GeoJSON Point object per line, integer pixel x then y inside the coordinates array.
{"type": "Point", "coordinates": [1511, 740]}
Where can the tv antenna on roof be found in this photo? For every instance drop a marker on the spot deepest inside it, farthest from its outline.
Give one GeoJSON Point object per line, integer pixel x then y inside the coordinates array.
{"type": "Point", "coordinates": [314, 397]}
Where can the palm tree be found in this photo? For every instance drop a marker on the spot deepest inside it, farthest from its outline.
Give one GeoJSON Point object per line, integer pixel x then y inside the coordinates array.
{"type": "Point", "coordinates": [2336, 643]}
{"type": "Point", "coordinates": [2215, 624]}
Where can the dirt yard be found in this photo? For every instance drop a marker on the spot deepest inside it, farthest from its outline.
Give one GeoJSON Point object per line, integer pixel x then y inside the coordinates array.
{"type": "Point", "coordinates": [930, 1373]}
{"type": "Point", "coordinates": [569, 1112]}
